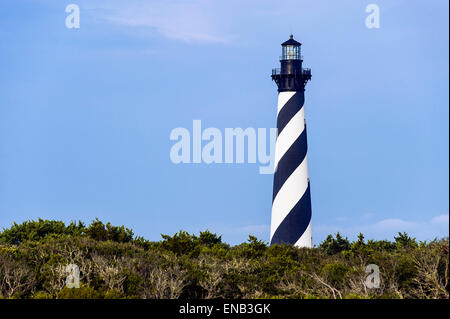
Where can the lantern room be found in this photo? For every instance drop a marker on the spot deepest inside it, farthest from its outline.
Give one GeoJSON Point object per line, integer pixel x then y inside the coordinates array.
{"type": "Point", "coordinates": [291, 49]}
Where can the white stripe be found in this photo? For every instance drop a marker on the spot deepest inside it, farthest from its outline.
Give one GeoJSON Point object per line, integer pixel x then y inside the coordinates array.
{"type": "Point", "coordinates": [289, 194]}
{"type": "Point", "coordinates": [283, 97]}
{"type": "Point", "coordinates": [306, 239]}
{"type": "Point", "coordinates": [289, 135]}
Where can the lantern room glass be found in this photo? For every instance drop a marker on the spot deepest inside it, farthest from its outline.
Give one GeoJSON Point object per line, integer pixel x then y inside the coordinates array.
{"type": "Point", "coordinates": [291, 52]}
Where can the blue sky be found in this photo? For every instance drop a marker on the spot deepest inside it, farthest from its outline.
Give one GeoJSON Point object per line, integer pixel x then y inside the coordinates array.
{"type": "Point", "coordinates": [86, 114]}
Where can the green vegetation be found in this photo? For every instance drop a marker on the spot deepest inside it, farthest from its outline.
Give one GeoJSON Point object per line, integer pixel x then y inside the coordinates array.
{"type": "Point", "coordinates": [113, 263]}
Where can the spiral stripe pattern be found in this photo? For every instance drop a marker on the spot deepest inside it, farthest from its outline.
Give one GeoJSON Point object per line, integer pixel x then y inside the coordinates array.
{"type": "Point", "coordinates": [291, 206]}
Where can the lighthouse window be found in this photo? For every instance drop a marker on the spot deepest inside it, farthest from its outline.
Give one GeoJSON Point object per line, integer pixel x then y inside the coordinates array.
{"type": "Point", "coordinates": [291, 52]}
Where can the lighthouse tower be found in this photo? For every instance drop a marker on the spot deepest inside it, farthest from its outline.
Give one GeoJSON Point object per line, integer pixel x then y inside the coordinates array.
{"type": "Point", "coordinates": [291, 207]}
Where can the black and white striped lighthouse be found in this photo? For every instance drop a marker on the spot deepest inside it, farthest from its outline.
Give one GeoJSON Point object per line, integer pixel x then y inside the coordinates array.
{"type": "Point", "coordinates": [291, 207]}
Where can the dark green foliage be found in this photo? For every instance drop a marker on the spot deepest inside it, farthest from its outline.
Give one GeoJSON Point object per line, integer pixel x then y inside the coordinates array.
{"type": "Point", "coordinates": [253, 249]}
{"type": "Point", "coordinates": [41, 229]}
{"type": "Point", "coordinates": [405, 271]}
{"type": "Point", "coordinates": [381, 245]}
{"type": "Point", "coordinates": [114, 264]}
{"type": "Point", "coordinates": [98, 231]}
{"type": "Point", "coordinates": [209, 239]}
{"type": "Point", "coordinates": [181, 243]}
{"type": "Point", "coordinates": [36, 230]}
{"type": "Point", "coordinates": [333, 246]}
{"type": "Point", "coordinates": [403, 240]}
{"type": "Point", "coordinates": [336, 273]}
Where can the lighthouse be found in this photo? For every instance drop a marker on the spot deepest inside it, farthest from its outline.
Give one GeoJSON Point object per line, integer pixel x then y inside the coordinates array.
{"type": "Point", "coordinates": [291, 202]}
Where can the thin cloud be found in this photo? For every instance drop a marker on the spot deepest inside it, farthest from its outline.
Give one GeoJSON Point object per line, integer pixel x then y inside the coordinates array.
{"type": "Point", "coordinates": [441, 219]}
{"type": "Point", "coordinates": [191, 22]}
{"type": "Point", "coordinates": [394, 224]}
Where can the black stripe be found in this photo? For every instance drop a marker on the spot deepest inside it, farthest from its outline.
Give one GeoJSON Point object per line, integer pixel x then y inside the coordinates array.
{"type": "Point", "coordinates": [292, 106]}
{"type": "Point", "coordinates": [295, 223]}
{"type": "Point", "coordinates": [289, 162]}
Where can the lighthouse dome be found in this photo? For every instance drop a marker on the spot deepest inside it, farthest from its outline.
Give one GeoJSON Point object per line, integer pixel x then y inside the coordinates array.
{"type": "Point", "coordinates": [291, 41]}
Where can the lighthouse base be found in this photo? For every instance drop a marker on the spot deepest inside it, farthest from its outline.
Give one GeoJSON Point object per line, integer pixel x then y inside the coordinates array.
{"type": "Point", "coordinates": [306, 239]}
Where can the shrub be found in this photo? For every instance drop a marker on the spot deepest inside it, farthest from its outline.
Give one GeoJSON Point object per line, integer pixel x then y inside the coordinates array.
{"type": "Point", "coordinates": [113, 264]}
{"type": "Point", "coordinates": [37, 230]}
{"type": "Point", "coordinates": [333, 246]}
